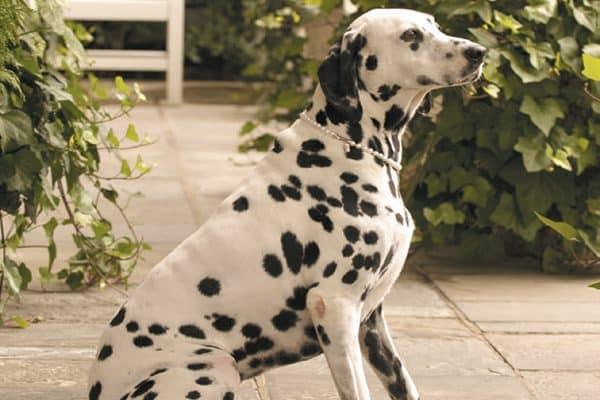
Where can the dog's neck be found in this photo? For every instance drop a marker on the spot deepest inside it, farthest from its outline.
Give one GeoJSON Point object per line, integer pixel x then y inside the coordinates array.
{"type": "Point", "coordinates": [383, 121]}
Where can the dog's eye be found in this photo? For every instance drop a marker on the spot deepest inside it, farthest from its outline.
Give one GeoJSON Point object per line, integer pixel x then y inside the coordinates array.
{"type": "Point", "coordinates": [410, 35]}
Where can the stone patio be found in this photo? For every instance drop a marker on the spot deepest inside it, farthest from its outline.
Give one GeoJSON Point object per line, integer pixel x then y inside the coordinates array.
{"type": "Point", "coordinates": [468, 332]}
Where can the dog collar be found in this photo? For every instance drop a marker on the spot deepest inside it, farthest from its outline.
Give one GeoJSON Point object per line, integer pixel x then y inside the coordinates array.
{"type": "Point", "coordinates": [351, 143]}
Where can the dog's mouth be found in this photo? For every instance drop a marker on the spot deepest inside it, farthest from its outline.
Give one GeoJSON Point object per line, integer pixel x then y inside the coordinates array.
{"type": "Point", "coordinates": [471, 76]}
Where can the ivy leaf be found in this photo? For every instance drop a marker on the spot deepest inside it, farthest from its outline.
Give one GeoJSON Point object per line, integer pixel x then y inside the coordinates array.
{"type": "Point", "coordinates": [507, 21]}
{"type": "Point", "coordinates": [569, 53]}
{"type": "Point", "coordinates": [537, 192]}
{"type": "Point", "coordinates": [125, 169]}
{"type": "Point", "coordinates": [593, 205]}
{"type": "Point", "coordinates": [484, 37]}
{"type": "Point", "coordinates": [12, 275]}
{"type": "Point", "coordinates": [535, 151]}
{"type": "Point", "coordinates": [585, 17]}
{"type": "Point", "coordinates": [591, 67]}
{"type": "Point", "coordinates": [132, 134]}
{"type": "Point", "coordinates": [480, 7]}
{"type": "Point", "coordinates": [477, 193]}
{"type": "Point", "coordinates": [445, 213]}
{"type": "Point", "coordinates": [543, 113]}
{"type": "Point", "coordinates": [16, 130]}
{"type": "Point", "coordinates": [592, 244]}
{"type": "Point", "coordinates": [505, 213]}
{"type": "Point", "coordinates": [595, 285]}
{"type": "Point", "coordinates": [121, 86]}
{"type": "Point", "coordinates": [21, 323]}
{"type": "Point", "coordinates": [562, 228]}
{"type": "Point", "coordinates": [248, 127]}
{"type": "Point", "coordinates": [524, 71]}
{"type": "Point", "coordinates": [541, 12]}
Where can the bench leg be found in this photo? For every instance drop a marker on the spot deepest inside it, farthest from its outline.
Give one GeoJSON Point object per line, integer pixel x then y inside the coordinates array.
{"type": "Point", "coordinates": [175, 40]}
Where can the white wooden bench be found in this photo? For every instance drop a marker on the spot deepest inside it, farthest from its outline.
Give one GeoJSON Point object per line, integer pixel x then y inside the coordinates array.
{"type": "Point", "coordinates": [170, 60]}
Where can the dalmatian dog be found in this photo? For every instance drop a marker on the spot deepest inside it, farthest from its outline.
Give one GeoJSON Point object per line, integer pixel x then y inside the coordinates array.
{"type": "Point", "coordinates": [297, 261]}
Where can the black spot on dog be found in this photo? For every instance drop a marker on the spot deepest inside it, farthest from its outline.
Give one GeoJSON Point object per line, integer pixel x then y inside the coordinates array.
{"type": "Point", "coordinates": [310, 349]}
{"type": "Point", "coordinates": [193, 395]}
{"type": "Point", "coordinates": [291, 192]}
{"type": "Point", "coordinates": [349, 177]}
{"type": "Point", "coordinates": [351, 233]}
{"type": "Point", "coordinates": [333, 202]}
{"type": "Point", "coordinates": [228, 396]}
{"type": "Point", "coordinates": [209, 287]}
{"type": "Point", "coordinates": [347, 251]}
{"type": "Point", "coordinates": [355, 132]}
{"type": "Point", "coordinates": [350, 277]}
{"type": "Point", "coordinates": [414, 46]}
{"type": "Point", "coordinates": [371, 63]}
{"type": "Point", "coordinates": [321, 118]}
{"type": "Point", "coordinates": [142, 387]}
{"type": "Point", "coordinates": [349, 200]}
{"type": "Point", "coordinates": [323, 335]}
{"type": "Point", "coordinates": [142, 341]}
{"type": "Point", "coordinates": [376, 123]}
{"type": "Point", "coordinates": [204, 381]}
{"type": "Point", "coordinates": [260, 344]}
{"type": "Point", "coordinates": [397, 389]}
{"type": "Point", "coordinates": [309, 106]}
{"type": "Point", "coordinates": [275, 193]}
{"type": "Point", "coordinates": [394, 118]}
{"type": "Point", "coordinates": [159, 371]}
{"type": "Point", "coordinates": [364, 294]}
{"type": "Point", "coordinates": [118, 318]}
{"type": "Point", "coordinates": [316, 192]}
{"type": "Point", "coordinates": [449, 55]}
{"type": "Point", "coordinates": [368, 208]}
{"type": "Point", "coordinates": [251, 330]}
{"type": "Point", "coordinates": [305, 160]}
{"type": "Point", "coordinates": [399, 218]}
{"type": "Point", "coordinates": [311, 254]}
{"type": "Point", "coordinates": [329, 269]}
{"type": "Point", "coordinates": [197, 366]}
{"type": "Point", "coordinates": [292, 251]}
{"type": "Point", "coordinates": [95, 391]}
{"type": "Point", "coordinates": [192, 331]}
{"type": "Point", "coordinates": [150, 396]}
{"type": "Point", "coordinates": [379, 359]}
{"type": "Point", "coordinates": [132, 326]}
{"type": "Point", "coordinates": [255, 363]}
{"type": "Point", "coordinates": [285, 358]}
{"type": "Point", "coordinates": [239, 354]}
{"type": "Point", "coordinates": [388, 259]}
{"type": "Point", "coordinates": [298, 300]}
{"type": "Point", "coordinates": [105, 352]}
{"type": "Point", "coordinates": [358, 261]}
{"type": "Point", "coordinates": [425, 80]}
{"type": "Point", "coordinates": [313, 145]}
{"type": "Point", "coordinates": [285, 320]}
{"type": "Point", "coordinates": [386, 92]}
{"type": "Point", "coordinates": [241, 204]}
{"type": "Point", "coordinates": [223, 323]}
{"type": "Point", "coordinates": [354, 153]}
{"type": "Point", "coordinates": [272, 265]}
{"type": "Point", "coordinates": [157, 329]}
{"type": "Point", "coordinates": [367, 187]}
{"type": "Point", "coordinates": [311, 332]}
{"type": "Point", "coordinates": [277, 148]}
{"type": "Point", "coordinates": [317, 214]}
{"type": "Point", "coordinates": [294, 180]}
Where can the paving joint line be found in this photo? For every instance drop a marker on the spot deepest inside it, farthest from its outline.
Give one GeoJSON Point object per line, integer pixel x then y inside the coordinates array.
{"type": "Point", "coordinates": [471, 326]}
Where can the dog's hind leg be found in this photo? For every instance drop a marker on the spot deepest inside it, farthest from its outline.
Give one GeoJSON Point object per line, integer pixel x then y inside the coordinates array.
{"type": "Point", "coordinates": [378, 348]}
{"type": "Point", "coordinates": [210, 377]}
{"type": "Point", "coordinates": [337, 322]}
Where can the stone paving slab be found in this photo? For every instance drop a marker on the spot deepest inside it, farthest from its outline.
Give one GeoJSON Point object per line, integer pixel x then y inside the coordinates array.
{"type": "Point", "coordinates": [564, 385]}
{"type": "Point", "coordinates": [539, 327]}
{"type": "Point", "coordinates": [550, 352]}
{"type": "Point", "coordinates": [519, 311]}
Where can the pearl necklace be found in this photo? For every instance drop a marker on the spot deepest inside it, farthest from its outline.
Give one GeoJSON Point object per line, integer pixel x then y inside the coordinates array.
{"type": "Point", "coordinates": [351, 143]}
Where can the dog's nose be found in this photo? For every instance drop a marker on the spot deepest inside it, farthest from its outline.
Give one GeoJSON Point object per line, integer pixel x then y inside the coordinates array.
{"type": "Point", "coordinates": [475, 54]}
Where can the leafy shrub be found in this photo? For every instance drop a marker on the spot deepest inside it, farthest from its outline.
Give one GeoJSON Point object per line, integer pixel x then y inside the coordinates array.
{"type": "Point", "coordinates": [51, 146]}
{"type": "Point", "coordinates": [509, 165]}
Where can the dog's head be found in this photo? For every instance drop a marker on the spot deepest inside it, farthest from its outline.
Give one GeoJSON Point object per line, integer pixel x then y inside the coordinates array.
{"type": "Point", "coordinates": [386, 50]}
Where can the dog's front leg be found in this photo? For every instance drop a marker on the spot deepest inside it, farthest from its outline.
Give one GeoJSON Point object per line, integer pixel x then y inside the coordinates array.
{"type": "Point", "coordinates": [337, 320]}
{"type": "Point", "coordinates": [377, 347]}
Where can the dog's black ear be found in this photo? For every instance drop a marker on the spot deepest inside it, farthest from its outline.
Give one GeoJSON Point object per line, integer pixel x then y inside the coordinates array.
{"type": "Point", "coordinates": [425, 106]}
{"type": "Point", "coordinates": [338, 75]}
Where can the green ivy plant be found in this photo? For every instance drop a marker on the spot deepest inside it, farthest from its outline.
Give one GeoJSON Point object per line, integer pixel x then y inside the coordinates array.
{"type": "Point", "coordinates": [509, 165]}
{"type": "Point", "coordinates": [52, 142]}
